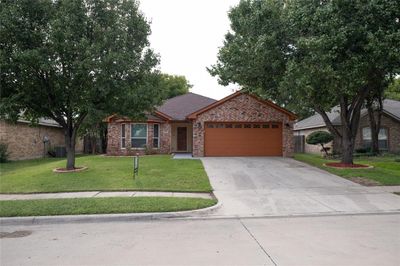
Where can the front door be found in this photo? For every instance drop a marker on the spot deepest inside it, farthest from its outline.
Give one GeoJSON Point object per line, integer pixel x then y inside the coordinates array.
{"type": "Point", "coordinates": [182, 139]}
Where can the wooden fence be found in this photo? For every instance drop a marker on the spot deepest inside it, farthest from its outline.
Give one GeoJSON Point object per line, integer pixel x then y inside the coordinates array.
{"type": "Point", "coordinates": [299, 142]}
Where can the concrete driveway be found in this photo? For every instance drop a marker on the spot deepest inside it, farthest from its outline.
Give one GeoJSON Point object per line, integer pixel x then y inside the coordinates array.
{"type": "Point", "coordinates": [275, 186]}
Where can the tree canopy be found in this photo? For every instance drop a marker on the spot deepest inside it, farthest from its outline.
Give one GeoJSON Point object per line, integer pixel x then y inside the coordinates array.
{"type": "Point", "coordinates": [313, 55]}
{"type": "Point", "coordinates": [393, 91]}
{"type": "Point", "coordinates": [174, 85]}
{"type": "Point", "coordinates": [63, 59]}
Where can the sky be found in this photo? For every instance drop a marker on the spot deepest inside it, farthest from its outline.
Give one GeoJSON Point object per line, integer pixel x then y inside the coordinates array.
{"type": "Point", "coordinates": [187, 34]}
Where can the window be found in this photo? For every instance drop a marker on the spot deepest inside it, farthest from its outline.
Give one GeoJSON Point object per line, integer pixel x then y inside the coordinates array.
{"type": "Point", "coordinates": [247, 125]}
{"type": "Point", "coordinates": [210, 125]}
{"type": "Point", "coordinates": [238, 125]}
{"type": "Point", "coordinates": [156, 136]}
{"type": "Point", "coordinates": [275, 126]}
{"type": "Point", "coordinates": [265, 126]}
{"type": "Point", "coordinates": [138, 135]}
{"type": "Point", "coordinates": [123, 137]}
{"type": "Point", "coordinates": [256, 126]}
{"type": "Point", "coordinates": [228, 126]}
{"type": "Point", "coordinates": [382, 138]}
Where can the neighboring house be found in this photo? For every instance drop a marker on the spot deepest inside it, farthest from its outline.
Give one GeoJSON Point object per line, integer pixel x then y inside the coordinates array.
{"type": "Point", "coordinates": [238, 125]}
{"type": "Point", "coordinates": [389, 136]}
{"type": "Point", "coordinates": [25, 141]}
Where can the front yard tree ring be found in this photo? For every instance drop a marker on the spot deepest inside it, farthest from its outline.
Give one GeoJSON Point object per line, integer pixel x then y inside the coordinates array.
{"type": "Point", "coordinates": [64, 170]}
{"type": "Point", "coordinates": [348, 166]}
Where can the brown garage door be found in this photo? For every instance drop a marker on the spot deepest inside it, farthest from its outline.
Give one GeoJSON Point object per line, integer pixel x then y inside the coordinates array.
{"type": "Point", "coordinates": [243, 139]}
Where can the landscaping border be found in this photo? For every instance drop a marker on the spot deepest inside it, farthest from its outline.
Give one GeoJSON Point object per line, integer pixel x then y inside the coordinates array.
{"type": "Point", "coordinates": [353, 168]}
{"type": "Point", "coordinates": [64, 171]}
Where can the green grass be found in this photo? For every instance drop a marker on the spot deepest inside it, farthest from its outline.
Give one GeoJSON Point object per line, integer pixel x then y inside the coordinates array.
{"type": "Point", "coordinates": [386, 171]}
{"type": "Point", "coordinates": [12, 208]}
{"type": "Point", "coordinates": [156, 173]}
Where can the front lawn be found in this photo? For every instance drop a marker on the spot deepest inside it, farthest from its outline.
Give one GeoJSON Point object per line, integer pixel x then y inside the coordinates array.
{"type": "Point", "coordinates": [386, 170]}
{"type": "Point", "coordinates": [156, 173]}
{"type": "Point", "coordinates": [12, 208]}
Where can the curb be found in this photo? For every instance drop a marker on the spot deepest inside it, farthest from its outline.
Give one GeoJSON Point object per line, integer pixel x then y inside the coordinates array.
{"type": "Point", "coordinates": [288, 216]}
{"type": "Point", "coordinates": [99, 218]}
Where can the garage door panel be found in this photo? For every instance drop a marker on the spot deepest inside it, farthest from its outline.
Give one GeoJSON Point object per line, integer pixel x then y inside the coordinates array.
{"type": "Point", "coordinates": [253, 141]}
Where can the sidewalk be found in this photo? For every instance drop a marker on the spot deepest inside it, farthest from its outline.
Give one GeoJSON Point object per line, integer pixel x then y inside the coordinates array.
{"type": "Point", "coordinates": [389, 189]}
{"type": "Point", "coordinates": [104, 194]}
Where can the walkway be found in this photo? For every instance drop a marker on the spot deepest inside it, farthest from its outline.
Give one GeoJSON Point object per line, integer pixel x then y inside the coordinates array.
{"type": "Point", "coordinates": [103, 194]}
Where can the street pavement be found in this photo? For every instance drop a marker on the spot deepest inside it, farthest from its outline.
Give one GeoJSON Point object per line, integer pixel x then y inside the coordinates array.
{"type": "Point", "coordinates": [333, 240]}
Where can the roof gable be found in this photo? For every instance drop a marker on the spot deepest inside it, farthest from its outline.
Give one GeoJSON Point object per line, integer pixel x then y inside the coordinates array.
{"type": "Point", "coordinates": [236, 94]}
{"type": "Point", "coordinates": [390, 107]}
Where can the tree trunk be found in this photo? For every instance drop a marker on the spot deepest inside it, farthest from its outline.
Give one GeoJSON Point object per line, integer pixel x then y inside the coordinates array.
{"type": "Point", "coordinates": [323, 148]}
{"type": "Point", "coordinates": [70, 138]}
{"type": "Point", "coordinates": [374, 131]}
{"type": "Point", "coordinates": [347, 148]}
{"type": "Point", "coordinates": [103, 136]}
{"type": "Point", "coordinates": [93, 141]}
{"type": "Point", "coordinates": [375, 116]}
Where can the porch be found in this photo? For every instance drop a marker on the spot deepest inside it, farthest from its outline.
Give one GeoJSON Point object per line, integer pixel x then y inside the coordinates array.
{"type": "Point", "coordinates": [181, 137]}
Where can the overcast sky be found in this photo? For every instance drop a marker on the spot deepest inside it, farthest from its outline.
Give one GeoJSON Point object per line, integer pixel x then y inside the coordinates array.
{"type": "Point", "coordinates": [187, 35]}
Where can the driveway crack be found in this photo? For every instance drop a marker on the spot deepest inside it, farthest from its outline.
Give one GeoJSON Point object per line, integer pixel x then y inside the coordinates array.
{"type": "Point", "coordinates": [258, 243]}
{"type": "Point", "coordinates": [323, 204]}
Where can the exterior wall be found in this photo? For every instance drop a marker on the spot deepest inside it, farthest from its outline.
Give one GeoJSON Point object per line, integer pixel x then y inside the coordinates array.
{"type": "Point", "coordinates": [189, 136]}
{"type": "Point", "coordinates": [312, 148]}
{"type": "Point", "coordinates": [392, 126]}
{"type": "Point", "coordinates": [114, 139]}
{"type": "Point", "coordinates": [393, 129]}
{"type": "Point", "coordinates": [247, 109]}
{"type": "Point", "coordinates": [26, 142]}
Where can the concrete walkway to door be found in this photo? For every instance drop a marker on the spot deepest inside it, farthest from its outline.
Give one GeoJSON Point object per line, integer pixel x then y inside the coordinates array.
{"type": "Point", "coordinates": [275, 186]}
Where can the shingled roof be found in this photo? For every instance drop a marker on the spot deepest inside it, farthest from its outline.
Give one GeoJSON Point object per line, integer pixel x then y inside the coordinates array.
{"type": "Point", "coordinates": [179, 107]}
{"type": "Point", "coordinates": [390, 107]}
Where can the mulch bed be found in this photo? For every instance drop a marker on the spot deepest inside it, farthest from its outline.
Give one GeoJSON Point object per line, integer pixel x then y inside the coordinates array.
{"type": "Point", "coordinates": [64, 170]}
{"type": "Point", "coordinates": [347, 165]}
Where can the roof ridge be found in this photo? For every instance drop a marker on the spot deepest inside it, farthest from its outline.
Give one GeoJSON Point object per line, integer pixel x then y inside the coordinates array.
{"type": "Point", "coordinates": [202, 96]}
{"type": "Point", "coordinates": [192, 94]}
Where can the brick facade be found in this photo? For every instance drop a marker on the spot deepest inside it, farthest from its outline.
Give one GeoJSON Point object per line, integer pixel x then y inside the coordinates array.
{"type": "Point", "coordinates": [243, 108]}
{"type": "Point", "coordinates": [114, 139]}
{"type": "Point", "coordinates": [393, 130]}
{"type": "Point", "coordinates": [26, 142]}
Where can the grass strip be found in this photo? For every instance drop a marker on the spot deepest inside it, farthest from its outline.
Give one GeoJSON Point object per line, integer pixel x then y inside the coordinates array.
{"type": "Point", "coordinates": [12, 208]}
{"type": "Point", "coordinates": [386, 169]}
{"type": "Point", "coordinates": [156, 173]}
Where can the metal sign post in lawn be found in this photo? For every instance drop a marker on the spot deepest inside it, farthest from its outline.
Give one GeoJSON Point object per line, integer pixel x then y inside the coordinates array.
{"type": "Point", "coordinates": [135, 165]}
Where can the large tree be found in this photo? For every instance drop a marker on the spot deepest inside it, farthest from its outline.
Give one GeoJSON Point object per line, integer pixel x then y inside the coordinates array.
{"type": "Point", "coordinates": [94, 129]}
{"type": "Point", "coordinates": [393, 91]}
{"type": "Point", "coordinates": [318, 54]}
{"type": "Point", "coordinates": [173, 85]}
{"type": "Point", "coordinates": [63, 59]}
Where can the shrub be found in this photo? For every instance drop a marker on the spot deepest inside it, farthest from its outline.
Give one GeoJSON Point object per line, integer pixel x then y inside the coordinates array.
{"type": "Point", "coordinates": [149, 150]}
{"type": "Point", "coordinates": [361, 150]}
{"type": "Point", "coordinates": [3, 153]}
{"type": "Point", "coordinates": [320, 138]}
